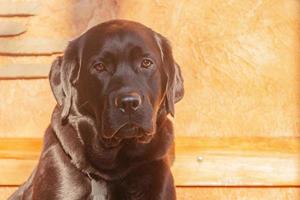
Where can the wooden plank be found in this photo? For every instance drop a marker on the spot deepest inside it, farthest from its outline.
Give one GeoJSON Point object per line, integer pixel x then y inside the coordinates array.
{"type": "Point", "coordinates": [20, 149]}
{"type": "Point", "coordinates": [10, 8]}
{"type": "Point", "coordinates": [11, 28]}
{"type": "Point", "coordinates": [238, 193]}
{"type": "Point", "coordinates": [5, 192]}
{"type": "Point", "coordinates": [25, 71]}
{"type": "Point", "coordinates": [32, 47]}
{"type": "Point", "coordinates": [220, 193]}
{"type": "Point", "coordinates": [15, 172]}
{"type": "Point", "coordinates": [237, 161]}
{"type": "Point", "coordinates": [225, 161]}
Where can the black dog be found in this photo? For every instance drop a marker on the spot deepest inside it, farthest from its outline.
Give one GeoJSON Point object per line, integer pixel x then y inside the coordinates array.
{"type": "Point", "coordinates": [109, 134]}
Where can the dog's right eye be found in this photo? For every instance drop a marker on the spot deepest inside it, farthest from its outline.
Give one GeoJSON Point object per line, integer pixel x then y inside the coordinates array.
{"type": "Point", "coordinates": [146, 63]}
{"type": "Point", "coordinates": [99, 67]}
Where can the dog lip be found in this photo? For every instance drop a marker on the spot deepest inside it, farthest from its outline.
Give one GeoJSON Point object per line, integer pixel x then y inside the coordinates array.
{"type": "Point", "coordinates": [112, 142]}
{"type": "Point", "coordinates": [145, 138]}
{"type": "Point", "coordinates": [114, 134]}
{"type": "Point", "coordinates": [127, 131]}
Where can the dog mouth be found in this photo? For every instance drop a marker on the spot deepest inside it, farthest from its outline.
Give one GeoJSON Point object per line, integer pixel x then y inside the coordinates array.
{"type": "Point", "coordinates": [128, 132]}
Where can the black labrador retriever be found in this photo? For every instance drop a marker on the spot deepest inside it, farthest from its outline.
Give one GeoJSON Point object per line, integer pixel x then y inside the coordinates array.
{"type": "Point", "coordinates": [109, 134]}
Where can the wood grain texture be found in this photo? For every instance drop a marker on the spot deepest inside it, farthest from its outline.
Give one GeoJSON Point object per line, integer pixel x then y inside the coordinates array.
{"type": "Point", "coordinates": [20, 149]}
{"type": "Point", "coordinates": [32, 47]}
{"type": "Point", "coordinates": [10, 8]}
{"type": "Point", "coordinates": [216, 193]}
{"type": "Point", "coordinates": [56, 19]}
{"type": "Point", "coordinates": [237, 193]}
{"type": "Point", "coordinates": [5, 192]}
{"type": "Point", "coordinates": [15, 172]}
{"type": "Point", "coordinates": [11, 28]}
{"type": "Point", "coordinates": [237, 161]}
{"type": "Point", "coordinates": [225, 161]}
{"type": "Point", "coordinates": [25, 71]}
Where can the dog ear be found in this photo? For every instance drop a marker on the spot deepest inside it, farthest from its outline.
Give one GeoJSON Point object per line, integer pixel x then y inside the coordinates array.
{"type": "Point", "coordinates": [178, 84]}
{"type": "Point", "coordinates": [60, 77]}
{"type": "Point", "coordinates": [174, 87]}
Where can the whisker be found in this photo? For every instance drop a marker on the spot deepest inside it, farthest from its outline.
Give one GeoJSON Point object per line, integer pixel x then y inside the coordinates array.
{"type": "Point", "coordinates": [83, 104]}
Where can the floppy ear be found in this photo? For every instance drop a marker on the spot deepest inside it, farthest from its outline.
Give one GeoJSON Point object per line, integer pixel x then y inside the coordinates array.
{"type": "Point", "coordinates": [174, 87]}
{"type": "Point", "coordinates": [60, 77]}
{"type": "Point", "coordinates": [178, 84]}
{"type": "Point", "coordinates": [55, 80]}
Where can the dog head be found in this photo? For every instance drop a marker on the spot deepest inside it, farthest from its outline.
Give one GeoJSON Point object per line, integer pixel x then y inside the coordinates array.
{"type": "Point", "coordinates": [122, 76]}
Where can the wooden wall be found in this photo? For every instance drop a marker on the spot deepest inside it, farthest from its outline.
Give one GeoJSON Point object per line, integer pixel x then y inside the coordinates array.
{"type": "Point", "coordinates": [238, 124]}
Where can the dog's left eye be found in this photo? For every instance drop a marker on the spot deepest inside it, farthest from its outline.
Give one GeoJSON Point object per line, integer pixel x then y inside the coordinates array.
{"type": "Point", "coordinates": [99, 67]}
{"type": "Point", "coordinates": [146, 63]}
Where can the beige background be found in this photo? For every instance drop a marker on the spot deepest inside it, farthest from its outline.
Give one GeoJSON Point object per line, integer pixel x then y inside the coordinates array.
{"type": "Point", "coordinates": [240, 61]}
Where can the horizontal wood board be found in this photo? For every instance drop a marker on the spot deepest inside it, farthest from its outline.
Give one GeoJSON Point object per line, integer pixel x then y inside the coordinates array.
{"type": "Point", "coordinates": [199, 161]}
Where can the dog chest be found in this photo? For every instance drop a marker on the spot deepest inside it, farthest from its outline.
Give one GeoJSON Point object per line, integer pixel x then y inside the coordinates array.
{"type": "Point", "coordinates": [99, 190]}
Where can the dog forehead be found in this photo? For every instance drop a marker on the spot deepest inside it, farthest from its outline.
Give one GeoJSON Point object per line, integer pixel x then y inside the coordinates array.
{"type": "Point", "coordinates": [119, 36]}
{"type": "Point", "coordinates": [123, 40]}
{"type": "Point", "coordinates": [120, 28]}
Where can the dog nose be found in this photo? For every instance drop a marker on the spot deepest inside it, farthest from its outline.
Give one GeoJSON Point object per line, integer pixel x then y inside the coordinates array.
{"type": "Point", "coordinates": [127, 103]}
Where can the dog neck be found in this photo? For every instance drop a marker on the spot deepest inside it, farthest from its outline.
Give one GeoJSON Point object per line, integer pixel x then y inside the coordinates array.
{"type": "Point", "coordinates": [68, 137]}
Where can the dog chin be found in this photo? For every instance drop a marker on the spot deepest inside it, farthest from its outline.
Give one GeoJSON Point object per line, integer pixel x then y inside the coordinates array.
{"type": "Point", "coordinates": [128, 133]}
{"type": "Point", "coordinates": [111, 142]}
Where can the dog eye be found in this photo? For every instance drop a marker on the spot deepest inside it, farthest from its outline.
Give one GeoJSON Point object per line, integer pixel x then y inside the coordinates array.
{"type": "Point", "coordinates": [146, 63]}
{"type": "Point", "coordinates": [99, 67]}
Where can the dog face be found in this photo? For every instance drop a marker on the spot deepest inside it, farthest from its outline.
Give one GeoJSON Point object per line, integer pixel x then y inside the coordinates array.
{"type": "Point", "coordinates": [122, 76]}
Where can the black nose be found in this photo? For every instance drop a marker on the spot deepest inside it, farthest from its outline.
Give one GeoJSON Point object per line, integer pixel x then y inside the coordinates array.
{"type": "Point", "coordinates": [129, 102]}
